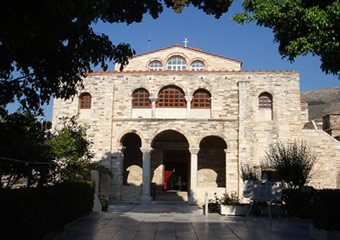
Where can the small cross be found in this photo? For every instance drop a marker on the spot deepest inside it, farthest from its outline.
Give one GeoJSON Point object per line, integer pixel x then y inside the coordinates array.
{"type": "Point", "coordinates": [185, 42]}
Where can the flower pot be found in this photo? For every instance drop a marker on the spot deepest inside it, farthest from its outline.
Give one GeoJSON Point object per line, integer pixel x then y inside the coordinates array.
{"type": "Point", "coordinates": [234, 210]}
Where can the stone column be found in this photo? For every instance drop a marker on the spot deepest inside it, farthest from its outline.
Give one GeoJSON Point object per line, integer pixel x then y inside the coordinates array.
{"type": "Point", "coordinates": [117, 165]}
{"type": "Point", "coordinates": [146, 198]}
{"type": "Point", "coordinates": [153, 104]}
{"type": "Point", "coordinates": [226, 151]}
{"type": "Point", "coordinates": [193, 173]}
{"type": "Point", "coordinates": [188, 99]}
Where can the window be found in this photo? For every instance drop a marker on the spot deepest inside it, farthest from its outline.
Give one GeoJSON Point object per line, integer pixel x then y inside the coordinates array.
{"type": "Point", "coordinates": [85, 101]}
{"type": "Point", "coordinates": [141, 98]}
{"type": "Point", "coordinates": [171, 97]}
{"type": "Point", "coordinates": [265, 101]}
{"type": "Point", "coordinates": [201, 99]}
{"type": "Point", "coordinates": [155, 66]}
{"type": "Point", "coordinates": [197, 66]}
{"type": "Point", "coordinates": [176, 63]}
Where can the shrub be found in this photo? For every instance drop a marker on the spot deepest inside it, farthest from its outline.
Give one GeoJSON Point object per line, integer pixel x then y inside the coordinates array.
{"type": "Point", "coordinates": [327, 210]}
{"type": "Point", "coordinates": [32, 213]}
{"type": "Point", "coordinates": [293, 161]}
{"type": "Point", "coordinates": [298, 203]}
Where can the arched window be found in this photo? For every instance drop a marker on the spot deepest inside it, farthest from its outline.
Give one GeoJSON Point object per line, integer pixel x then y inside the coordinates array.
{"type": "Point", "coordinates": [171, 97]}
{"type": "Point", "coordinates": [197, 66]}
{"type": "Point", "coordinates": [176, 63]}
{"type": "Point", "coordinates": [141, 98]}
{"type": "Point", "coordinates": [265, 101]}
{"type": "Point", "coordinates": [85, 101]}
{"type": "Point", "coordinates": [201, 99]}
{"type": "Point", "coordinates": [155, 66]}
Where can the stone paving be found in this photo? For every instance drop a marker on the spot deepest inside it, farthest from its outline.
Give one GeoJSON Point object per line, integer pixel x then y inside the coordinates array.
{"type": "Point", "coordinates": [165, 221]}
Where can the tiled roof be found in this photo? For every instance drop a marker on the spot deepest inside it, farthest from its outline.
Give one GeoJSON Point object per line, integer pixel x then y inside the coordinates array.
{"type": "Point", "coordinates": [303, 101]}
{"type": "Point", "coordinates": [186, 71]}
{"type": "Point", "coordinates": [191, 48]}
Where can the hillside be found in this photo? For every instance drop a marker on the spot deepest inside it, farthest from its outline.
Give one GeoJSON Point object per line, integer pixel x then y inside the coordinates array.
{"type": "Point", "coordinates": [322, 101]}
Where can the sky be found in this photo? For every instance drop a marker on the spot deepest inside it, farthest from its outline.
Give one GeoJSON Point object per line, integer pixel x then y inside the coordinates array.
{"type": "Point", "coordinates": [251, 44]}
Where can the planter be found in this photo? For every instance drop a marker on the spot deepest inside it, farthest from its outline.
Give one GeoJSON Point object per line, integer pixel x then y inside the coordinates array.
{"type": "Point", "coordinates": [234, 210]}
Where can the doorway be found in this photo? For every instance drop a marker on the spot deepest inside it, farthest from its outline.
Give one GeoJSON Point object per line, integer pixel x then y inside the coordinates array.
{"type": "Point", "coordinates": [176, 170]}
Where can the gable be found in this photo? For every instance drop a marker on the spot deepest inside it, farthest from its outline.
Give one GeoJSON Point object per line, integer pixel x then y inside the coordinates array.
{"type": "Point", "coordinates": [211, 61]}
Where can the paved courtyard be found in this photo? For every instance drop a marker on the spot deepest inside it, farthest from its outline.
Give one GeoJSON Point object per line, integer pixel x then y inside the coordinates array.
{"type": "Point", "coordinates": [178, 221]}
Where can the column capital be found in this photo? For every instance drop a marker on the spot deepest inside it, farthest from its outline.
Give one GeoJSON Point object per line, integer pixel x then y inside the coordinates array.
{"type": "Point", "coordinates": [194, 150]}
{"type": "Point", "coordinates": [153, 99]}
{"type": "Point", "coordinates": [147, 150]}
{"type": "Point", "coordinates": [188, 98]}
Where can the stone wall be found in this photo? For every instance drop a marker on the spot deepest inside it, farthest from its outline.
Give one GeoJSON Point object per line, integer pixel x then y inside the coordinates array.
{"type": "Point", "coordinates": [326, 171]}
{"type": "Point", "coordinates": [211, 61]}
{"type": "Point", "coordinates": [234, 117]}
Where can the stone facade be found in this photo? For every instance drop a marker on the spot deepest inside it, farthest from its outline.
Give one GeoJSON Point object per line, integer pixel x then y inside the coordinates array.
{"type": "Point", "coordinates": [140, 145]}
{"type": "Point", "coordinates": [331, 124]}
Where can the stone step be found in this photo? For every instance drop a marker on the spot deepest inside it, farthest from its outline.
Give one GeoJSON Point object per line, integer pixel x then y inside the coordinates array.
{"type": "Point", "coordinates": [172, 196]}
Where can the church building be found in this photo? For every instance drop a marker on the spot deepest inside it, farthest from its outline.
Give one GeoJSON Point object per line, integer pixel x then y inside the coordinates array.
{"type": "Point", "coordinates": [183, 121]}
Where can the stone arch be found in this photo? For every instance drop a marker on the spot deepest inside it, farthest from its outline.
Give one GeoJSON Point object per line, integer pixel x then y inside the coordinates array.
{"type": "Point", "coordinates": [212, 162]}
{"type": "Point", "coordinates": [176, 54]}
{"type": "Point", "coordinates": [171, 84]}
{"type": "Point", "coordinates": [177, 129]}
{"type": "Point", "coordinates": [216, 134]}
{"type": "Point", "coordinates": [139, 87]}
{"type": "Point", "coordinates": [132, 159]}
{"type": "Point", "coordinates": [201, 86]}
{"type": "Point", "coordinates": [121, 135]}
{"type": "Point", "coordinates": [170, 161]}
{"type": "Point", "coordinates": [198, 59]}
{"type": "Point", "coordinates": [154, 59]}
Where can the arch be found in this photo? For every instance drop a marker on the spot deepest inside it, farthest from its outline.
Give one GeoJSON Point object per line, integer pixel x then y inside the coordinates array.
{"type": "Point", "coordinates": [197, 65]}
{"type": "Point", "coordinates": [176, 63]}
{"type": "Point", "coordinates": [141, 98]}
{"type": "Point", "coordinates": [85, 100]}
{"type": "Point", "coordinates": [170, 165]}
{"type": "Point", "coordinates": [176, 129]}
{"type": "Point", "coordinates": [265, 101]}
{"type": "Point", "coordinates": [155, 65]}
{"type": "Point", "coordinates": [171, 96]}
{"type": "Point", "coordinates": [212, 162]}
{"type": "Point", "coordinates": [201, 99]}
{"type": "Point", "coordinates": [132, 159]}
{"type": "Point", "coordinates": [121, 135]}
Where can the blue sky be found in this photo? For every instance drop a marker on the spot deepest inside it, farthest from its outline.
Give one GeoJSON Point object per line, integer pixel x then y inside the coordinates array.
{"type": "Point", "coordinates": [248, 43]}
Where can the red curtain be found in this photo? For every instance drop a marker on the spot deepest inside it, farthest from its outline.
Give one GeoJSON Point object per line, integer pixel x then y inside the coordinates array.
{"type": "Point", "coordinates": [166, 178]}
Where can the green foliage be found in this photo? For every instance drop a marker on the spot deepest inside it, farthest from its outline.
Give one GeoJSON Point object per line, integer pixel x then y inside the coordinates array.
{"type": "Point", "coordinates": [48, 46]}
{"type": "Point", "coordinates": [71, 150]}
{"type": "Point", "coordinates": [300, 27]}
{"type": "Point", "coordinates": [32, 213]}
{"type": "Point", "coordinates": [229, 200]}
{"type": "Point", "coordinates": [105, 204]}
{"type": "Point", "coordinates": [249, 172]}
{"type": "Point", "coordinates": [293, 161]}
{"type": "Point", "coordinates": [23, 151]}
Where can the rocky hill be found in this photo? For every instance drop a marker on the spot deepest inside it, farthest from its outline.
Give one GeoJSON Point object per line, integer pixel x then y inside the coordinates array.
{"type": "Point", "coordinates": [322, 101]}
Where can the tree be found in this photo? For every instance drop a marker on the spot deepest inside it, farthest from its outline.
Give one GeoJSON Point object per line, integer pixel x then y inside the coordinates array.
{"type": "Point", "coordinates": [71, 150]}
{"type": "Point", "coordinates": [300, 27]}
{"type": "Point", "coordinates": [23, 151]}
{"type": "Point", "coordinates": [293, 161]}
{"type": "Point", "coordinates": [48, 46]}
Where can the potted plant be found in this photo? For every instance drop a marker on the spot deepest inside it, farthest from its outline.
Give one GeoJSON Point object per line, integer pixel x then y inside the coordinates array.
{"type": "Point", "coordinates": [230, 205]}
